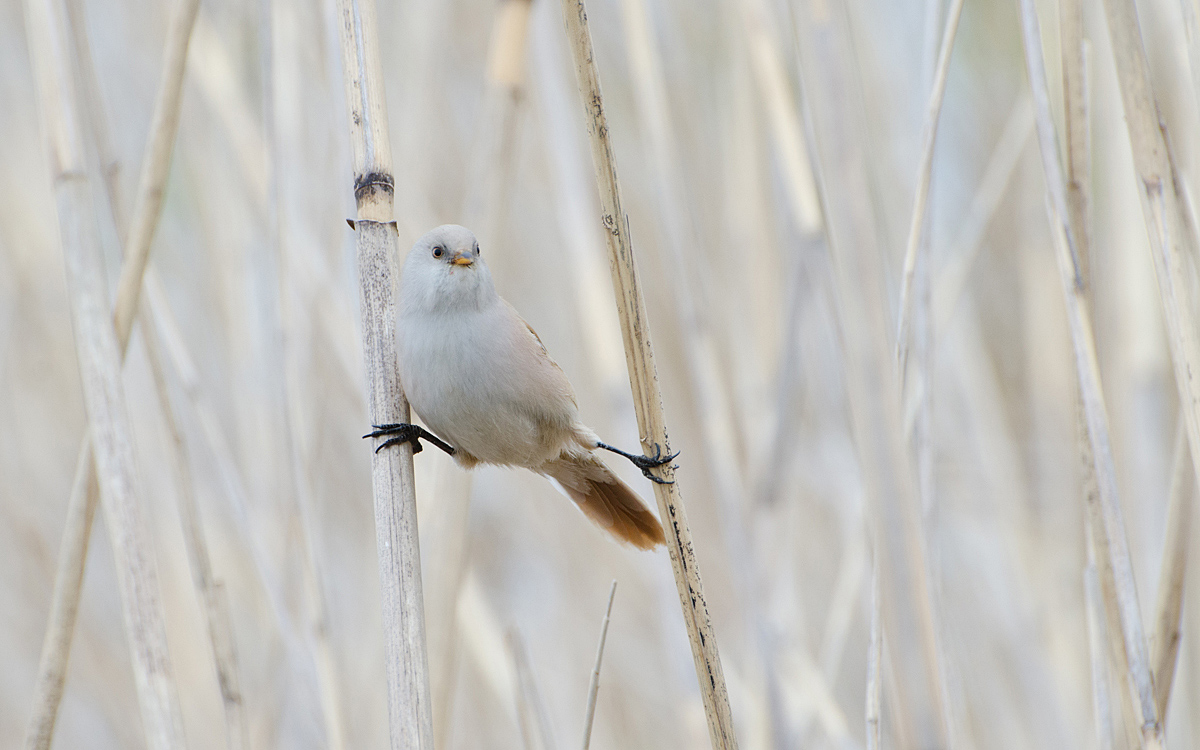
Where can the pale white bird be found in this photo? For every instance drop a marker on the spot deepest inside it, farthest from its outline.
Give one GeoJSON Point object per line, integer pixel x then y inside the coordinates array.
{"type": "Point", "coordinates": [480, 379]}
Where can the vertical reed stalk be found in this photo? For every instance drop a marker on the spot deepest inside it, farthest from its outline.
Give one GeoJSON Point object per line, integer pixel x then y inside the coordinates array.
{"type": "Point", "coordinates": [643, 379]}
{"type": "Point", "coordinates": [409, 709]}
{"type": "Point", "coordinates": [100, 364]}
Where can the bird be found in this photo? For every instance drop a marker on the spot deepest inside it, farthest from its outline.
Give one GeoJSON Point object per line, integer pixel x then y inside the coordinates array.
{"type": "Point", "coordinates": [488, 392]}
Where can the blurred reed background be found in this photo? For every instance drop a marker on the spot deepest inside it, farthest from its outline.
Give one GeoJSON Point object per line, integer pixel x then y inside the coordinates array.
{"type": "Point", "coordinates": [915, 536]}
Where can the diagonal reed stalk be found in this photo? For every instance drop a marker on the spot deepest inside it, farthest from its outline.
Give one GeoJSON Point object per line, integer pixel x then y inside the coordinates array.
{"type": "Point", "coordinates": [711, 392]}
{"type": "Point", "coordinates": [1108, 525]}
{"type": "Point", "coordinates": [214, 600]}
{"type": "Point", "coordinates": [210, 592]}
{"type": "Point", "coordinates": [409, 704]}
{"type": "Point", "coordinates": [1172, 235]}
{"type": "Point", "coordinates": [594, 684]}
{"type": "Point", "coordinates": [100, 352]}
{"type": "Point", "coordinates": [1102, 710]}
{"type": "Point", "coordinates": [84, 494]}
{"type": "Point", "coordinates": [1100, 585]}
{"type": "Point", "coordinates": [643, 380]}
{"type": "Point", "coordinates": [917, 222]}
{"type": "Point", "coordinates": [1168, 608]}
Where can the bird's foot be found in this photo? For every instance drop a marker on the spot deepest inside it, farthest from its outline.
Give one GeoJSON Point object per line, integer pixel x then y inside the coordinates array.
{"type": "Point", "coordinates": [645, 463]}
{"type": "Point", "coordinates": [402, 432]}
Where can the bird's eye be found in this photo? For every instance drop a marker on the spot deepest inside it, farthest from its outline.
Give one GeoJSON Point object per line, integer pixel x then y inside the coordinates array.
{"type": "Point", "coordinates": [437, 251]}
{"type": "Point", "coordinates": [477, 250]}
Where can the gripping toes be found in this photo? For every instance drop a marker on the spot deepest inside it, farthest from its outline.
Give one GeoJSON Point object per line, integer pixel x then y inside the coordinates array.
{"type": "Point", "coordinates": [402, 432]}
{"type": "Point", "coordinates": [646, 463]}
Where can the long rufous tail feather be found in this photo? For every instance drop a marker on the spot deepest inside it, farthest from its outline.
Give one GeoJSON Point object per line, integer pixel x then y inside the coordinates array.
{"type": "Point", "coordinates": [605, 499]}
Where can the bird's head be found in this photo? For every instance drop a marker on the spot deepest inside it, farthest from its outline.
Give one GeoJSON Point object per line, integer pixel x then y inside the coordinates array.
{"type": "Point", "coordinates": [445, 272]}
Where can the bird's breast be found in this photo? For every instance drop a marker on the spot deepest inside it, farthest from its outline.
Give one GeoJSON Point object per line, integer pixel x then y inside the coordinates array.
{"type": "Point", "coordinates": [469, 383]}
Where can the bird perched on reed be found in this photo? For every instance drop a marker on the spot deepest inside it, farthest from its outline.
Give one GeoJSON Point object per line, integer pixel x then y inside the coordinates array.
{"type": "Point", "coordinates": [479, 377]}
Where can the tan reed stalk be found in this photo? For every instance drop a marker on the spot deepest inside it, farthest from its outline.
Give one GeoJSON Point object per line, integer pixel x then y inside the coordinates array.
{"type": "Point", "coordinates": [100, 364]}
{"type": "Point", "coordinates": [575, 207]}
{"type": "Point", "coordinates": [643, 380]}
{"type": "Point", "coordinates": [917, 222]}
{"type": "Point", "coordinates": [1172, 238]}
{"type": "Point", "coordinates": [713, 403]}
{"type": "Point", "coordinates": [1077, 122]}
{"type": "Point", "coordinates": [1098, 655]}
{"type": "Point", "coordinates": [81, 506]}
{"type": "Point", "coordinates": [594, 684]}
{"type": "Point", "coordinates": [711, 389]}
{"type": "Point", "coordinates": [1109, 533]}
{"type": "Point", "coordinates": [409, 709]}
{"type": "Point", "coordinates": [1111, 524]}
{"type": "Point", "coordinates": [64, 602]}
{"type": "Point", "coordinates": [147, 205]}
{"type": "Point", "coordinates": [908, 619]}
{"type": "Point", "coordinates": [1168, 625]}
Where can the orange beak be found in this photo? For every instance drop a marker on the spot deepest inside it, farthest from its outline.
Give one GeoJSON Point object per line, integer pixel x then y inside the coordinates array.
{"type": "Point", "coordinates": [462, 260]}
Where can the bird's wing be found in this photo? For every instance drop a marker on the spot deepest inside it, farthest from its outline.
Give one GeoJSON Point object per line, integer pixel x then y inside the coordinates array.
{"type": "Point", "coordinates": [538, 351]}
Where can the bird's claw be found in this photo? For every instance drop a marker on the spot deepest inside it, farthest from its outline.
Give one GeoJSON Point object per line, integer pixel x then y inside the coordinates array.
{"type": "Point", "coordinates": [407, 433]}
{"type": "Point", "coordinates": [646, 463]}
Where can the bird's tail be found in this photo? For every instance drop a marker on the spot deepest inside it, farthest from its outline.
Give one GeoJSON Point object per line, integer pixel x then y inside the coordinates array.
{"type": "Point", "coordinates": [605, 499]}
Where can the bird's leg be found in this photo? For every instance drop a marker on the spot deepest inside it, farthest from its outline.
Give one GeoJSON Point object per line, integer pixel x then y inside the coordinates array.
{"type": "Point", "coordinates": [645, 463]}
{"type": "Point", "coordinates": [407, 433]}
